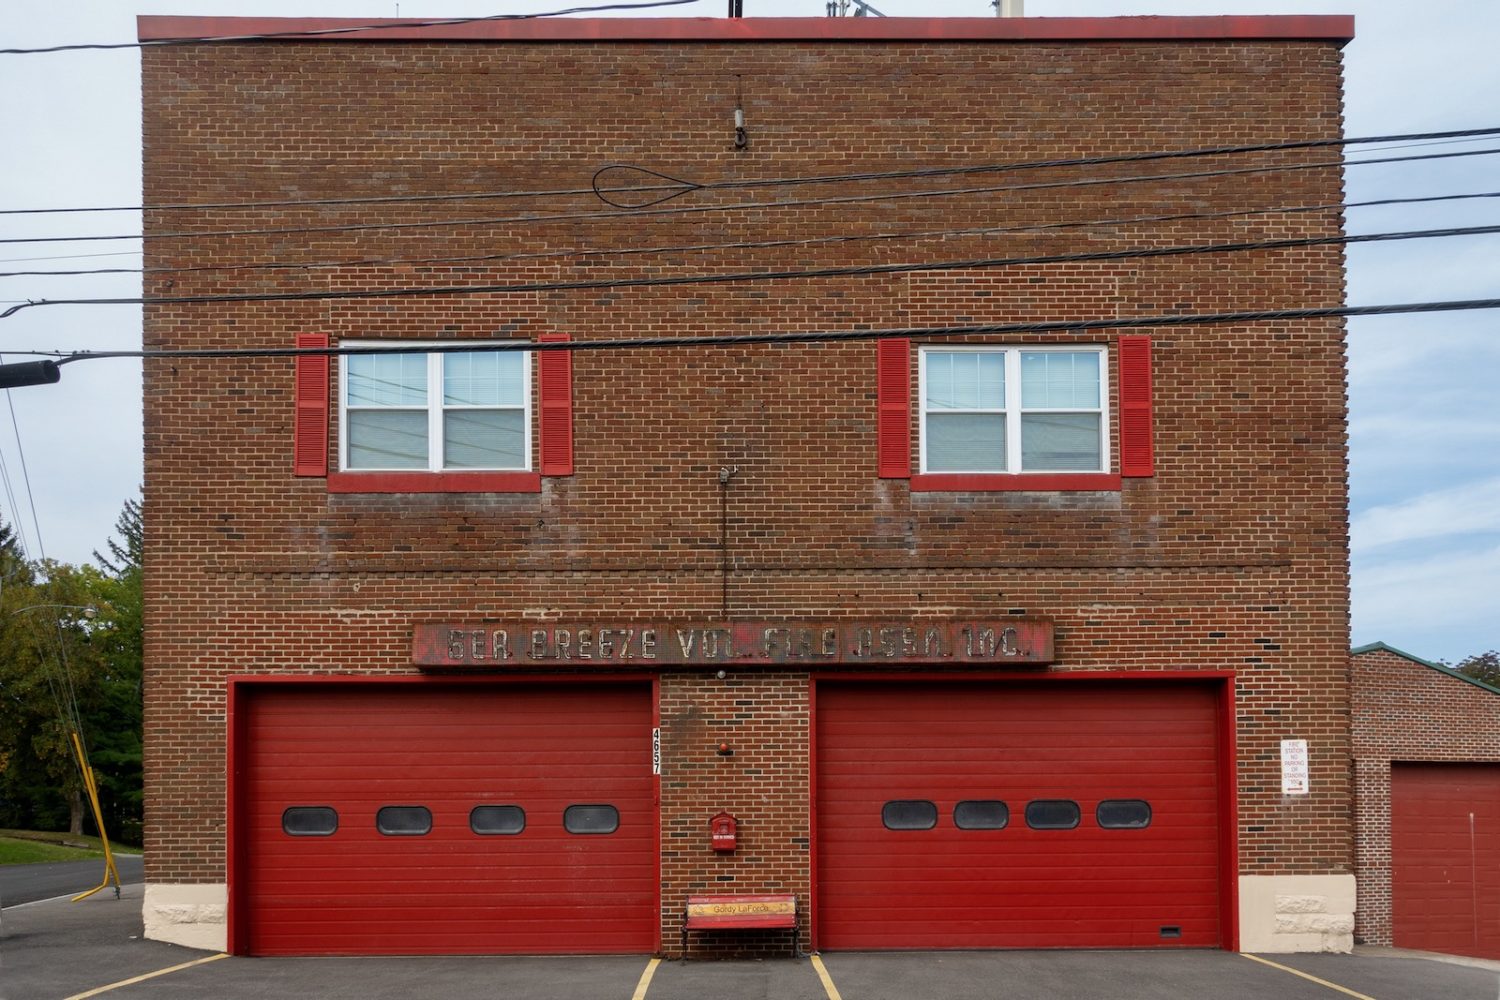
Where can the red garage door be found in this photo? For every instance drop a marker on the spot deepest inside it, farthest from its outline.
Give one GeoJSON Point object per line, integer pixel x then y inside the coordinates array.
{"type": "Point", "coordinates": [413, 819]}
{"type": "Point", "coordinates": [1445, 873]}
{"type": "Point", "coordinates": [1017, 815]}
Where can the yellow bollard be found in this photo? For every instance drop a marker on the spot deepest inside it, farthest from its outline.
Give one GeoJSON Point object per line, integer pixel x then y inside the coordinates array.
{"type": "Point", "coordinates": [93, 789]}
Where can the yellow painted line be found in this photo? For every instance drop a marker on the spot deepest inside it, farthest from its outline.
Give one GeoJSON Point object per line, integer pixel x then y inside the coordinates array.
{"type": "Point", "coordinates": [150, 975]}
{"type": "Point", "coordinates": [645, 983]}
{"type": "Point", "coordinates": [1313, 979]}
{"type": "Point", "coordinates": [828, 987]}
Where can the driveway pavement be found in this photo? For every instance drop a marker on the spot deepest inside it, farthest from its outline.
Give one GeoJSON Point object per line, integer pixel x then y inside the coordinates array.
{"type": "Point", "coordinates": [56, 949]}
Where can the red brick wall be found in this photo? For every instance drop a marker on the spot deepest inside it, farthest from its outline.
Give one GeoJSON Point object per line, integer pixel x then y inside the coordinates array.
{"type": "Point", "coordinates": [1404, 711]}
{"type": "Point", "coordinates": [1233, 556]}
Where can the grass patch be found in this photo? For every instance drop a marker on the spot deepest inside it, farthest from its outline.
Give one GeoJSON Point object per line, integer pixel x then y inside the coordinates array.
{"type": "Point", "coordinates": [16, 851]}
{"type": "Point", "coordinates": [29, 847]}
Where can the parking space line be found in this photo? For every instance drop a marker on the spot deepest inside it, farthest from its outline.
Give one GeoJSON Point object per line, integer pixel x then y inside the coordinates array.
{"type": "Point", "coordinates": [149, 975]}
{"type": "Point", "coordinates": [38, 902]}
{"type": "Point", "coordinates": [828, 987]}
{"type": "Point", "coordinates": [1297, 972]}
{"type": "Point", "coordinates": [645, 983]}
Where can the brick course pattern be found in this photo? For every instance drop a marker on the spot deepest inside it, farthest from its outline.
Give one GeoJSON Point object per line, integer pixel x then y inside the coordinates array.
{"type": "Point", "coordinates": [1232, 557]}
{"type": "Point", "coordinates": [1405, 711]}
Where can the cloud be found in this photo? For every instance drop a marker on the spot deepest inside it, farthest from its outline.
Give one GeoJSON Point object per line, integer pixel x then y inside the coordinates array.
{"type": "Point", "coordinates": [1470, 508]}
{"type": "Point", "coordinates": [1410, 353]}
{"type": "Point", "coordinates": [1440, 605]}
{"type": "Point", "coordinates": [1425, 270]}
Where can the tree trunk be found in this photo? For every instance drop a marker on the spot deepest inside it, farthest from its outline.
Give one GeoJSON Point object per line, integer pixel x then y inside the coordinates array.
{"type": "Point", "coordinates": [75, 810]}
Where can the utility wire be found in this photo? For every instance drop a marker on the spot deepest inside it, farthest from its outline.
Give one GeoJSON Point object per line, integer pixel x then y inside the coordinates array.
{"type": "Point", "coordinates": [766, 275]}
{"type": "Point", "coordinates": [71, 256]}
{"type": "Point", "coordinates": [760, 205]}
{"type": "Point", "coordinates": [759, 244]}
{"type": "Point", "coordinates": [1471, 135]}
{"type": "Point", "coordinates": [818, 336]}
{"type": "Point", "coordinates": [15, 425]}
{"type": "Point", "coordinates": [63, 690]}
{"type": "Point", "coordinates": [1413, 145]}
{"type": "Point", "coordinates": [344, 30]}
{"type": "Point", "coordinates": [10, 494]}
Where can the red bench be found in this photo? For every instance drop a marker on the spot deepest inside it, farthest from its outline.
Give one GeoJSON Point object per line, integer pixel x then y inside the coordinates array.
{"type": "Point", "coordinates": [732, 913]}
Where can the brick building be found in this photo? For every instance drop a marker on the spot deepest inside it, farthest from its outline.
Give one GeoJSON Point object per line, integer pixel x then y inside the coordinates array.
{"type": "Point", "coordinates": [1427, 804]}
{"type": "Point", "coordinates": [985, 640]}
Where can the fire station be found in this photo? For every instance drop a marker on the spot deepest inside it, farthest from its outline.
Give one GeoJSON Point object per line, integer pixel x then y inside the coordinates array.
{"type": "Point", "coordinates": [613, 471]}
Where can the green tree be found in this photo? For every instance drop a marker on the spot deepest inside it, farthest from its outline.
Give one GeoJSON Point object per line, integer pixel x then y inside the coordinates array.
{"type": "Point", "coordinates": [63, 669]}
{"type": "Point", "coordinates": [117, 729]}
{"type": "Point", "coordinates": [125, 554]}
{"type": "Point", "coordinates": [49, 670]}
{"type": "Point", "coordinates": [1482, 667]}
{"type": "Point", "coordinates": [18, 679]}
{"type": "Point", "coordinates": [14, 569]}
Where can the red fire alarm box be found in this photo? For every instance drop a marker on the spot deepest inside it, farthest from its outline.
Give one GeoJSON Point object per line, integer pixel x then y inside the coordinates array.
{"type": "Point", "coordinates": [722, 830]}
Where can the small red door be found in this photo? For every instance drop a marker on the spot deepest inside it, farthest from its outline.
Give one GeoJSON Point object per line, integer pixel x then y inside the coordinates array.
{"type": "Point", "coordinates": [1017, 815]}
{"type": "Point", "coordinates": [1445, 871]}
{"type": "Point", "coordinates": [462, 819]}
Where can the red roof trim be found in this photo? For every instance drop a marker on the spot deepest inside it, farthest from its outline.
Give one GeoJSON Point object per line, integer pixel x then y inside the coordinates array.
{"type": "Point", "coordinates": [1318, 27]}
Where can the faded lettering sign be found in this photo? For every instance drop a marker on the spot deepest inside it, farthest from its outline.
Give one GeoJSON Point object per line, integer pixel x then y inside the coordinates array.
{"type": "Point", "coordinates": [527, 644]}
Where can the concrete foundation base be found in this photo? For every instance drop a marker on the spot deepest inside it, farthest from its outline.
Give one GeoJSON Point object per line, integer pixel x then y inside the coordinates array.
{"type": "Point", "coordinates": [190, 915]}
{"type": "Point", "coordinates": [1291, 913]}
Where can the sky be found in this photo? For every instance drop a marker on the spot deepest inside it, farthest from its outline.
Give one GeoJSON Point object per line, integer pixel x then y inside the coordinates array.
{"type": "Point", "coordinates": [1424, 433]}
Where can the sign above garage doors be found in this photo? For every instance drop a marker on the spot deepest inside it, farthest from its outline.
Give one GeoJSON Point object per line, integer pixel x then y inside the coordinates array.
{"type": "Point", "coordinates": [990, 642]}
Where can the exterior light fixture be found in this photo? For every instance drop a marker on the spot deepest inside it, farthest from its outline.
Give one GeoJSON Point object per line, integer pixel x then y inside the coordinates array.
{"type": "Point", "coordinates": [29, 373]}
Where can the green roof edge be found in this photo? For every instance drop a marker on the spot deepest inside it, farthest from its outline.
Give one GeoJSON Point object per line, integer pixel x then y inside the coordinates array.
{"type": "Point", "coordinates": [1376, 647]}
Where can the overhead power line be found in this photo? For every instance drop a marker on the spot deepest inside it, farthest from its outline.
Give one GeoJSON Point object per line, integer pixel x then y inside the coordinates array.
{"type": "Point", "coordinates": [761, 244]}
{"type": "Point", "coordinates": [684, 186]}
{"type": "Point", "coordinates": [761, 205]}
{"type": "Point", "coordinates": [812, 336]}
{"type": "Point", "coordinates": [71, 256]}
{"type": "Point", "coordinates": [343, 30]}
{"type": "Point", "coordinates": [757, 276]}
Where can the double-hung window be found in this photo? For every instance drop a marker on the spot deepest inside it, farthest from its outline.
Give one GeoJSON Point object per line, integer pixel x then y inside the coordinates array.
{"type": "Point", "coordinates": [1009, 410]}
{"type": "Point", "coordinates": [434, 411]}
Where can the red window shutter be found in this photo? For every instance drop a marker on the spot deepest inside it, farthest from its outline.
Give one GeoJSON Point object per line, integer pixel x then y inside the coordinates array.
{"type": "Point", "coordinates": [310, 425]}
{"type": "Point", "coordinates": [893, 406]}
{"type": "Point", "coordinates": [1137, 455]}
{"type": "Point", "coordinates": [555, 405]}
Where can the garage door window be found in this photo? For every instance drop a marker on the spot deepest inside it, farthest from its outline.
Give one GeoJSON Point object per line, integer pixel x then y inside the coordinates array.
{"type": "Point", "coordinates": [591, 819]}
{"type": "Point", "coordinates": [1123, 814]}
{"type": "Point", "coordinates": [309, 821]}
{"type": "Point", "coordinates": [404, 821]}
{"type": "Point", "coordinates": [909, 814]}
{"type": "Point", "coordinates": [1052, 814]}
{"type": "Point", "coordinates": [492, 821]}
{"type": "Point", "coordinates": [981, 814]}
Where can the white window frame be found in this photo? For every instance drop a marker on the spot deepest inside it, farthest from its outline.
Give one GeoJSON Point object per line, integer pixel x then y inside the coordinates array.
{"type": "Point", "coordinates": [1012, 409]}
{"type": "Point", "coordinates": [435, 406]}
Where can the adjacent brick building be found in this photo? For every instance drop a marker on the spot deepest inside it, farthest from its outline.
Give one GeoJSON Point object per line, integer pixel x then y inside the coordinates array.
{"type": "Point", "coordinates": [1427, 804]}
{"type": "Point", "coordinates": [987, 640]}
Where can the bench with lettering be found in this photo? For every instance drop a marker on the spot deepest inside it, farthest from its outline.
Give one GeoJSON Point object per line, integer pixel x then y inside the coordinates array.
{"type": "Point", "coordinates": [732, 913]}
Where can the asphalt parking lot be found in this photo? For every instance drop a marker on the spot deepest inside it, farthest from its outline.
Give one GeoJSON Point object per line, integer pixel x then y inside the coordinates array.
{"type": "Point", "coordinates": [54, 949]}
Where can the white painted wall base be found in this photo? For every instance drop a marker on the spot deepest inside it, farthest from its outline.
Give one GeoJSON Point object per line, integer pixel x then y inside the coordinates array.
{"type": "Point", "coordinates": [1279, 914]}
{"type": "Point", "coordinates": [1290, 913]}
{"type": "Point", "coordinates": [190, 915]}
